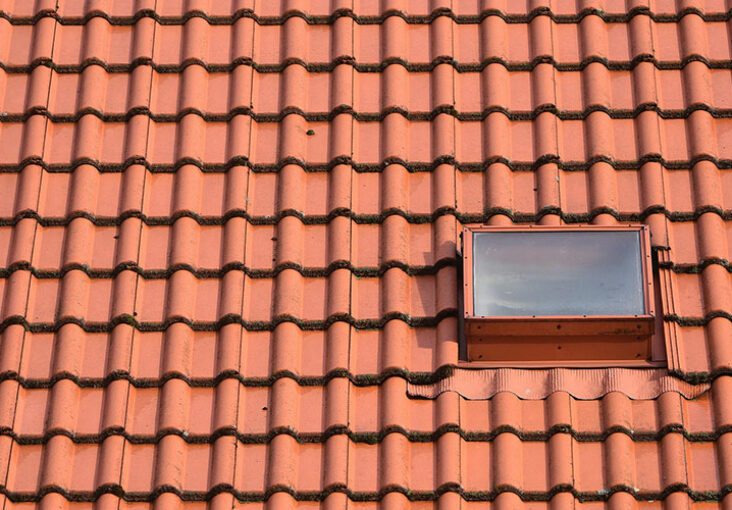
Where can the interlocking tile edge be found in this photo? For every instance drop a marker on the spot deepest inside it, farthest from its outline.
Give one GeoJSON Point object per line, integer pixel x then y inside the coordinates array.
{"type": "Point", "coordinates": [305, 272]}
{"type": "Point", "coordinates": [372, 219]}
{"type": "Point", "coordinates": [369, 20]}
{"type": "Point", "coordinates": [269, 325]}
{"type": "Point", "coordinates": [356, 496]}
{"type": "Point", "coordinates": [361, 167]}
{"type": "Point", "coordinates": [361, 380]}
{"type": "Point", "coordinates": [464, 116]}
{"type": "Point", "coordinates": [370, 67]}
{"type": "Point", "coordinates": [376, 437]}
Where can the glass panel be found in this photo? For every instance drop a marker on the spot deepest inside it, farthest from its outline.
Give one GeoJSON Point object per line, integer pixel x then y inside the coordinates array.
{"type": "Point", "coordinates": [557, 273]}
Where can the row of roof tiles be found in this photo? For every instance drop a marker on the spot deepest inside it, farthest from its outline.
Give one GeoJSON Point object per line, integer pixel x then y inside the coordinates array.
{"type": "Point", "coordinates": [197, 471]}
{"type": "Point", "coordinates": [420, 355]}
{"type": "Point", "coordinates": [368, 198]}
{"type": "Point", "coordinates": [477, 469]}
{"type": "Point", "coordinates": [418, 145]}
{"type": "Point", "coordinates": [91, 414]}
{"type": "Point", "coordinates": [365, 11]}
{"type": "Point", "coordinates": [418, 96]}
{"type": "Point", "coordinates": [187, 246]}
{"type": "Point", "coordinates": [272, 48]}
{"type": "Point", "coordinates": [208, 304]}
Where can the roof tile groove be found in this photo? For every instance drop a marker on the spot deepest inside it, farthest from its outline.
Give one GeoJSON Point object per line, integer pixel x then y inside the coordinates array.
{"type": "Point", "coordinates": [229, 244]}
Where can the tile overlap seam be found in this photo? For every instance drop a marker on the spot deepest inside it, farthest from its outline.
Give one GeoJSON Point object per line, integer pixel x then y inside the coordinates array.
{"type": "Point", "coordinates": [359, 380]}
{"type": "Point", "coordinates": [364, 496]}
{"type": "Point", "coordinates": [97, 273]}
{"type": "Point", "coordinates": [429, 321]}
{"type": "Point", "coordinates": [257, 325]}
{"type": "Point", "coordinates": [375, 437]}
{"type": "Point", "coordinates": [364, 167]}
{"type": "Point", "coordinates": [420, 19]}
{"type": "Point", "coordinates": [369, 67]}
{"type": "Point", "coordinates": [373, 219]}
{"type": "Point", "coordinates": [411, 115]}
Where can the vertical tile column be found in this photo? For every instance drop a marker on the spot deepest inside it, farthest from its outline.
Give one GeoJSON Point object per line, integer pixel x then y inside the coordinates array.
{"type": "Point", "coordinates": [673, 450]}
{"type": "Point", "coordinates": [394, 447]}
{"type": "Point", "coordinates": [598, 126]}
{"type": "Point", "coordinates": [546, 124]}
{"type": "Point", "coordinates": [120, 367]}
{"type": "Point", "coordinates": [710, 227]}
{"type": "Point", "coordinates": [289, 284]}
{"type": "Point", "coordinates": [444, 226]}
{"type": "Point", "coordinates": [558, 408]}
{"type": "Point", "coordinates": [394, 190]}
{"type": "Point", "coordinates": [447, 455]}
{"type": "Point", "coordinates": [507, 457]}
{"type": "Point", "coordinates": [648, 131]}
{"type": "Point", "coordinates": [444, 235]}
{"type": "Point", "coordinates": [230, 343]}
{"type": "Point", "coordinates": [74, 289]}
{"type": "Point", "coordinates": [707, 189]}
{"type": "Point", "coordinates": [619, 451]}
{"type": "Point", "coordinates": [20, 255]}
{"type": "Point", "coordinates": [182, 287]}
{"type": "Point", "coordinates": [495, 91]}
{"type": "Point", "coordinates": [722, 404]}
{"type": "Point", "coordinates": [340, 232]}
{"type": "Point", "coordinates": [28, 205]}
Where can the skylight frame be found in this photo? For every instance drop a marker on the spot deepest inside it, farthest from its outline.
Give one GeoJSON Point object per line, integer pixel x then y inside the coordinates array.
{"type": "Point", "coordinates": [566, 339]}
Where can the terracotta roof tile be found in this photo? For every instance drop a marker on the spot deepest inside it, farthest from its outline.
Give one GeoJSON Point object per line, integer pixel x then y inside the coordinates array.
{"type": "Point", "coordinates": [228, 237]}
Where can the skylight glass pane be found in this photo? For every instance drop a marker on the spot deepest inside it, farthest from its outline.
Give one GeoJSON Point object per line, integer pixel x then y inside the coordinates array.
{"type": "Point", "coordinates": [557, 273]}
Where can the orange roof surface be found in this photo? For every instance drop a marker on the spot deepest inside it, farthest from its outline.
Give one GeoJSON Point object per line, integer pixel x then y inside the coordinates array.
{"type": "Point", "coordinates": [229, 235]}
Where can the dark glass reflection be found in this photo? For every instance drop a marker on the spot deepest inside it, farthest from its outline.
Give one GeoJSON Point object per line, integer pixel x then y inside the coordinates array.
{"type": "Point", "coordinates": [557, 273]}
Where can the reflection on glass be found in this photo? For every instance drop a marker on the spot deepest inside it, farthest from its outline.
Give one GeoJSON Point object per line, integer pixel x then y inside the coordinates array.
{"type": "Point", "coordinates": [557, 273]}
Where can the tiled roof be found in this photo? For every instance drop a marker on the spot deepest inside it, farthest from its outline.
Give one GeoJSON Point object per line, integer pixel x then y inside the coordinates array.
{"type": "Point", "coordinates": [229, 232]}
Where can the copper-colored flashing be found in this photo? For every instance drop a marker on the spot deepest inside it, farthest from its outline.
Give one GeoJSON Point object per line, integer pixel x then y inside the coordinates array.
{"type": "Point", "coordinates": [548, 340]}
{"type": "Point", "coordinates": [539, 384]}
